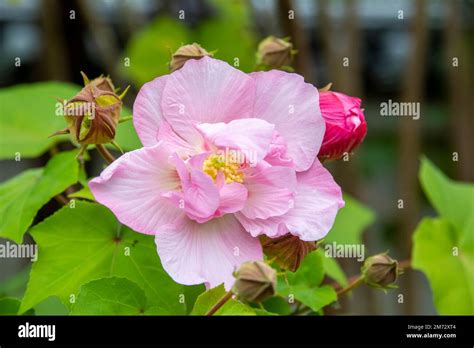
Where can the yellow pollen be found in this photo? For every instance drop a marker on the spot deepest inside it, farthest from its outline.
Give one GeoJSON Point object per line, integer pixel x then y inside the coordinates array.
{"type": "Point", "coordinates": [215, 164]}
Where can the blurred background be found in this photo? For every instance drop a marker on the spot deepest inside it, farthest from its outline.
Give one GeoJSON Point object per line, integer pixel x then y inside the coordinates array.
{"type": "Point", "coordinates": [403, 50]}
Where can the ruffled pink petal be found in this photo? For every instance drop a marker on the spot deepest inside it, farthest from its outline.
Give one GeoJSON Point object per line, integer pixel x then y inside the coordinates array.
{"type": "Point", "coordinates": [147, 115]}
{"type": "Point", "coordinates": [195, 253]}
{"type": "Point", "coordinates": [232, 198]}
{"type": "Point", "coordinates": [292, 105]}
{"type": "Point", "coordinates": [132, 186]}
{"type": "Point", "coordinates": [271, 192]}
{"type": "Point", "coordinates": [251, 136]}
{"type": "Point", "coordinates": [271, 227]}
{"type": "Point", "coordinates": [201, 198]}
{"type": "Point", "coordinates": [198, 195]}
{"type": "Point", "coordinates": [277, 154]}
{"type": "Point", "coordinates": [206, 91]}
{"type": "Point", "coordinates": [317, 202]}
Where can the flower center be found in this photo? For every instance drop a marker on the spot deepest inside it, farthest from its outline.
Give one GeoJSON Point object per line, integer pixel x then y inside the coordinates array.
{"type": "Point", "coordinates": [216, 163]}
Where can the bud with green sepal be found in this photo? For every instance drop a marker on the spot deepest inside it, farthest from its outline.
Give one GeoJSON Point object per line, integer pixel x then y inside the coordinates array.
{"type": "Point", "coordinates": [287, 251]}
{"type": "Point", "coordinates": [185, 53]}
{"type": "Point", "coordinates": [255, 282]}
{"type": "Point", "coordinates": [381, 271]}
{"type": "Point", "coordinates": [93, 114]}
{"type": "Point", "coordinates": [275, 53]}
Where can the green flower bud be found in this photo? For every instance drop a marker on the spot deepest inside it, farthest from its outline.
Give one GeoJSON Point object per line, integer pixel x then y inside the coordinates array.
{"type": "Point", "coordinates": [380, 271]}
{"type": "Point", "coordinates": [255, 281]}
{"type": "Point", "coordinates": [185, 53]}
{"type": "Point", "coordinates": [275, 53]}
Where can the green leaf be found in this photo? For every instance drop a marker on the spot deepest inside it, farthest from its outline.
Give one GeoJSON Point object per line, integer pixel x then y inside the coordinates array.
{"type": "Point", "coordinates": [310, 273]}
{"type": "Point", "coordinates": [51, 306]}
{"type": "Point", "coordinates": [191, 293]}
{"type": "Point", "coordinates": [9, 306]}
{"type": "Point", "coordinates": [304, 283]}
{"type": "Point", "coordinates": [277, 305]}
{"type": "Point", "coordinates": [448, 263]}
{"type": "Point", "coordinates": [453, 200]}
{"type": "Point", "coordinates": [22, 196]}
{"type": "Point", "coordinates": [84, 193]}
{"type": "Point", "coordinates": [126, 136]}
{"type": "Point", "coordinates": [333, 269]}
{"type": "Point", "coordinates": [28, 116]}
{"type": "Point", "coordinates": [314, 298]}
{"type": "Point", "coordinates": [110, 296]}
{"type": "Point", "coordinates": [351, 221]}
{"type": "Point", "coordinates": [230, 34]}
{"type": "Point", "coordinates": [263, 312]}
{"type": "Point", "coordinates": [150, 50]}
{"type": "Point", "coordinates": [208, 299]}
{"type": "Point", "coordinates": [77, 245]}
{"type": "Point", "coordinates": [443, 248]}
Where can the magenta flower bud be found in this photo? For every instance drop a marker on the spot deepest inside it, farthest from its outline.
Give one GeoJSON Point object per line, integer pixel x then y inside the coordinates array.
{"type": "Point", "coordinates": [345, 124]}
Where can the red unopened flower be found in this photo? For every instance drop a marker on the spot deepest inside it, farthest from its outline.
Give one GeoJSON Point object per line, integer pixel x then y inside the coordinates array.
{"type": "Point", "coordinates": [345, 124]}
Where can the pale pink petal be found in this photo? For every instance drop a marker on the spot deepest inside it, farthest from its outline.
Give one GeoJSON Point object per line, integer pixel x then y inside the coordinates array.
{"type": "Point", "coordinates": [232, 198]}
{"type": "Point", "coordinates": [317, 202]}
{"type": "Point", "coordinates": [198, 195]}
{"type": "Point", "coordinates": [251, 136]}
{"type": "Point", "coordinates": [201, 198]}
{"type": "Point", "coordinates": [132, 186]}
{"type": "Point", "coordinates": [197, 161]}
{"type": "Point", "coordinates": [182, 147]}
{"type": "Point", "coordinates": [206, 91]}
{"type": "Point", "coordinates": [194, 253]}
{"type": "Point", "coordinates": [272, 227]}
{"type": "Point", "coordinates": [292, 105]}
{"type": "Point", "coordinates": [147, 115]}
{"type": "Point", "coordinates": [271, 192]}
{"type": "Point", "coordinates": [318, 199]}
{"type": "Point", "coordinates": [277, 154]}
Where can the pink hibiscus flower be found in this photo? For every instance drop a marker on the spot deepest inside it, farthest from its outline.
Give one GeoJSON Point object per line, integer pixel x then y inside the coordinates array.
{"type": "Point", "coordinates": [227, 157]}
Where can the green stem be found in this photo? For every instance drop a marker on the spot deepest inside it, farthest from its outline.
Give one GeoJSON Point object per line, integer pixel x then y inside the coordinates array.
{"type": "Point", "coordinates": [220, 303]}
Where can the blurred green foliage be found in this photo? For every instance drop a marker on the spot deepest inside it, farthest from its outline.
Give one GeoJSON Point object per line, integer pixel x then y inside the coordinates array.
{"type": "Point", "coordinates": [443, 247]}
{"type": "Point", "coordinates": [228, 33]}
{"type": "Point", "coordinates": [351, 222]}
